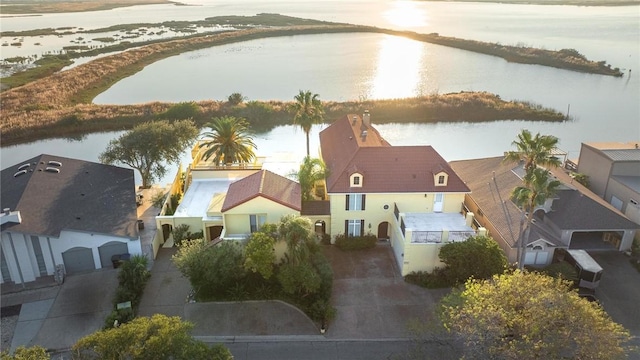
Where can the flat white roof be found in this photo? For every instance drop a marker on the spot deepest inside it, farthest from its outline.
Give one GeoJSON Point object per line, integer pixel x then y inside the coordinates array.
{"type": "Point", "coordinates": [195, 201]}
{"type": "Point", "coordinates": [585, 260]}
{"type": "Point", "coordinates": [436, 222]}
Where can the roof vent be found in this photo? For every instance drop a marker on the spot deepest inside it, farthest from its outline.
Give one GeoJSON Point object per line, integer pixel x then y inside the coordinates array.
{"type": "Point", "coordinates": [52, 169]}
{"type": "Point", "coordinates": [355, 119]}
{"type": "Point", "coordinates": [55, 163]}
{"type": "Point", "coordinates": [21, 172]}
{"type": "Point", "coordinates": [24, 166]}
{"type": "Point", "coordinates": [364, 134]}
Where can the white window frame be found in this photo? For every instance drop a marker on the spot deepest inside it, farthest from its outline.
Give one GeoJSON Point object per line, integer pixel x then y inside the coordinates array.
{"type": "Point", "coordinates": [355, 202]}
{"type": "Point", "coordinates": [354, 227]}
{"type": "Point", "coordinates": [256, 221]}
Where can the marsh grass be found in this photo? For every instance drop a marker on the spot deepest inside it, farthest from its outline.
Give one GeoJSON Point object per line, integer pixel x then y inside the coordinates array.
{"type": "Point", "coordinates": [42, 108]}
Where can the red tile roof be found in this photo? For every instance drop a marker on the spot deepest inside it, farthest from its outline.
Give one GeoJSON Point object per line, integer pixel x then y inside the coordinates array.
{"type": "Point", "coordinates": [384, 168]}
{"type": "Point", "coordinates": [266, 184]}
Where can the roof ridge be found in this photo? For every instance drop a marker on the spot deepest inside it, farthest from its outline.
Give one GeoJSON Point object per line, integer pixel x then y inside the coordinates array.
{"type": "Point", "coordinates": [262, 177]}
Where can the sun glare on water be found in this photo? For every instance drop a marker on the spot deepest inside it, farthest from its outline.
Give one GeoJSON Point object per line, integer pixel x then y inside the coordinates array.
{"type": "Point", "coordinates": [406, 14]}
{"type": "Point", "coordinates": [397, 73]}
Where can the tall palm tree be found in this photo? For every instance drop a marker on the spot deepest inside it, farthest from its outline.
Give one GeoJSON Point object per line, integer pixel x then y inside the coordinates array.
{"type": "Point", "coordinates": [538, 187]}
{"type": "Point", "coordinates": [229, 141]}
{"type": "Point", "coordinates": [311, 171]}
{"type": "Point", "coordinates": [308, 111]}
{"type": "Point", "coordinates": [534, 150]}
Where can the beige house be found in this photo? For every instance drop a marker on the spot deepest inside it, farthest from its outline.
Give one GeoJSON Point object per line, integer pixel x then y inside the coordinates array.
{"type": "Point", "coordinates": [575, 218]}
{"type": "Point", "coordinates": [407, 195]}
{"type": "Point", "coordinates": [614, 174]}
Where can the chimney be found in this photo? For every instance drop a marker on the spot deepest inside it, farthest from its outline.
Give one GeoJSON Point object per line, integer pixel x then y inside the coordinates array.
{"type": "Point", "coordinates": [6, 211]}
{"type": "Point", "coordinates": [366, 118]}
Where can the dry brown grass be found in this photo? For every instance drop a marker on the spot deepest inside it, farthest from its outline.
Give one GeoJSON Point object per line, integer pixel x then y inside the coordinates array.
{"type": "Point", "coordinates": [65, 6]}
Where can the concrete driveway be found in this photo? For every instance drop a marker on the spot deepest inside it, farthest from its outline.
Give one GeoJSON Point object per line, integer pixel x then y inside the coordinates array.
{"type": "Point", "coordinates": [372, 299]}
{"type": "Point", "coordinates": [57, 317]}
{"type": "Point", "coordinates": [619, 291]}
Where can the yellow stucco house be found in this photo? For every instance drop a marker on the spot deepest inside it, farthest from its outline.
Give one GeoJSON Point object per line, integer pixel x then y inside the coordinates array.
{"type": "Point", "coordinates": [408, 195]}
{"type": "Point", "coordinates": [227, 202]}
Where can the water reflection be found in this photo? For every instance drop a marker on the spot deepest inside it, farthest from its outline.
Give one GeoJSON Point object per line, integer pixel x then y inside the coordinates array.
{"type": "Point", "coordinates": [397, 73]}
{"type": "Point", "coordinates": [406, 14]}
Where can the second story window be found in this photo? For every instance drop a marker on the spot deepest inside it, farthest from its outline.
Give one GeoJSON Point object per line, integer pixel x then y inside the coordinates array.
{"type": "Point", "coordinates": [441, 180]}
{"type": "Point", "coordinates": [356, 180]}
{"type": "Point", "coordinates": [355, 202]}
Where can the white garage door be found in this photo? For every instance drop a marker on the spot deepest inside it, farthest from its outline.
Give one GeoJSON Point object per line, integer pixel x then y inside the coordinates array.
{"type": "Point", "coordinates": [536, 257]}
{"type": "Point", "coordinates": [78, 259]}
{"type": "Point", "coordinates": [109, 249]}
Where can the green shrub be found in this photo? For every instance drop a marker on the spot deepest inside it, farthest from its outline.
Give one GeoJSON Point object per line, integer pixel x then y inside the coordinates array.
{"type": "Point", "coordinates": [123, 316]}
{"type": "Point", "coordinates": [236, 98]}
{"type": "Point", "coordinates": [348, 243]}
{"type": "Point", "coordinates": [325, 239]}
{"type": "Point", "coordinates": [562, 270]}
{"type": "Point", "coordinates": [181, 111]}
{"type": "Point", "coordinates": [430, 280]}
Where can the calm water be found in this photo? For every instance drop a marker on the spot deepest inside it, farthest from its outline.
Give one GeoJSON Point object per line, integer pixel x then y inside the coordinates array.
{"type": "Point", "coordinates": [353, 66]}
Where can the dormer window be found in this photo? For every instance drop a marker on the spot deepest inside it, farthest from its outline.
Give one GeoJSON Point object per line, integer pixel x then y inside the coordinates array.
{"type": "Point", "coordinates": [441, 178]}
{"type": "Point", "coordinates": [356, 180]}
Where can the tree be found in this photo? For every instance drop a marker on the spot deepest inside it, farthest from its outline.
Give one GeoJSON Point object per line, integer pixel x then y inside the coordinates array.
{"type": "Point", "coordinates": [211, 270]}
{"type": "Point", "coordinates": [157, 337]}
{"type": "Point", "coordinates": [538, 187]}
{"type": "Point", "coordinates": [307, 112]}
{"type": "Point", "coordinates": [26, 353]}
{"type": "Point", "coordinates": [478, 257]}
{"type": "Point", "coordinates": [525, 315]}
{"type": "Point", "coordinates": [534, 151]}
{"type": "Point", "coordinates": [148, 145]}
{"type": "Point", "coordinates": [260, 254]}
{"type": "Point", "coordinates": [229, 141]}
{"type": "Point", "coordinates": [297, 232]}
{"type": "Point", "coordinates": [311, 171]}
{"type": "Point", "coordinates": [236, 98]}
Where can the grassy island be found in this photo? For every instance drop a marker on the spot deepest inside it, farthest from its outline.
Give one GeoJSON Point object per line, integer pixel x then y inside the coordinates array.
{"type": "Point", "coordinates": [65, 6]}
{"type": "Point", "coordinates": [59, 103]}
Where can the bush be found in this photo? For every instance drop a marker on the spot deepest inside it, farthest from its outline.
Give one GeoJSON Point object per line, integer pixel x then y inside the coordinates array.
{"type": "Point", "coordinates": [348, 243]}
{"type": "Point", "coordinates": [181, 111]}
{"type": "Point", "coordinates": [562, 270]}
{"type": "Point", "coordinates": [236, 98]}
{"type": "Point", "coordinates": [132, 278]}
{"type": "Point", "coordinates": [325, 239]}
{"type": "Point", "coordinates": [430, 280]}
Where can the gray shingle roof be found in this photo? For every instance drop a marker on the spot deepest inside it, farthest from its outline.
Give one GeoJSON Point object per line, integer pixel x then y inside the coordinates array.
{"type": "Point", "coordinates": [81, 196]}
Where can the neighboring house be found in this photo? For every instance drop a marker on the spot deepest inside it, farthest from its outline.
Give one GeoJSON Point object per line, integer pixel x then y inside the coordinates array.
{"type": "Point", "coordinates": [406, 194]}
{"type": "Point", "coordinates": [230, 203]}
{"type": "Point", "coordinates": [61, 211]}
{"type": "Point", "coordinates": [614, 174]}
{"type": "Point", "coordinates": [575, 218]}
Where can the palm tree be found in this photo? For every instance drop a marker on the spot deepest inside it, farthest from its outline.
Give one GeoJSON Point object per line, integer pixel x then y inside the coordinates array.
{"type": "Point", "coordinates": [538, 187]}
{"type": "Point", "coordinates": [308, 111]}
{"type": "Point", "coordinates": [229, 141]}
{"type": "Point", "coordinates": [311, 171]}
{"type": "Point", "coordinates": [297, 232]}
{"type": "Point", "coordinates": [534, 151]}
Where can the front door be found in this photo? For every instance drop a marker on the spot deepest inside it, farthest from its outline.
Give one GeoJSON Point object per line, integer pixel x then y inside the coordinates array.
{"type": "Point", "coordinates": [383, 230]}
{"type": "Point", "coordinates": [438, 202]}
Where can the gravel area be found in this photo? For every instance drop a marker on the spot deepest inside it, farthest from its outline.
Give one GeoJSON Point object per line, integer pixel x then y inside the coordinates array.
{"type": "Point", "coordinates": [8, 325]}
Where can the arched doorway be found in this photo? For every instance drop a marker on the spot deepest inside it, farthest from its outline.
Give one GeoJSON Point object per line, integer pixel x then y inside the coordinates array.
{"type": "Point", "coordinates": [320, 227]}
{"type": "Point", "coordinates": [383, 231]}
{"type": "Point", "coordinates": [166, 231]}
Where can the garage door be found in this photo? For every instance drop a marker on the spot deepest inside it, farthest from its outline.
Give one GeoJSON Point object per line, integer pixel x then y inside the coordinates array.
{"type": "Point", "coordinates": [536, 257]}
{"type": "Point", "coordinates": [109, 249]}
{"type": "Point", "coordinates": [78, 259]}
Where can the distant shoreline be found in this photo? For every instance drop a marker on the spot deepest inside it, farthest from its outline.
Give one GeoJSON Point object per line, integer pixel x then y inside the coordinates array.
{"type": "Point", "coordinates": [20, 8]}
